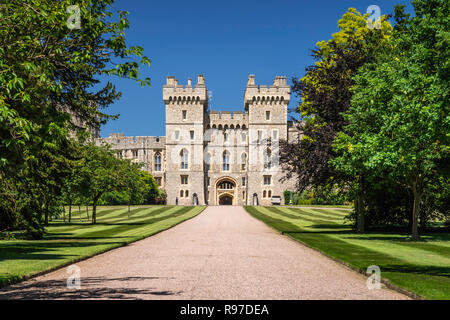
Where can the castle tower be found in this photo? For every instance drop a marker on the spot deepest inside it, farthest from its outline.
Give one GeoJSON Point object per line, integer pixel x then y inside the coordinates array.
{"type": "Point", "coordinates": [186, 108]}
{"type": "Point", "coordinates": [267, 116]}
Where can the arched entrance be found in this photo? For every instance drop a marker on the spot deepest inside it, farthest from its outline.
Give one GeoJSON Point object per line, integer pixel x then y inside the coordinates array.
{"type": "Point", "coordinates": [225, 191]}
{"type": "Point", "coordinates": [225, 200]}
{"type": "Point", "coordinates": [255, 199]}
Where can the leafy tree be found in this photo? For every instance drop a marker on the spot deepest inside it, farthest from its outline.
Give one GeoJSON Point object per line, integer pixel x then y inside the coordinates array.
{"type": "Point", "coordinates": [134, 186]}
{"type": "Point", "coordinates": [47, 68]}
{"type": "Point", "coordinates": [72, 185]}
{"type": "Point", "coordinates": [325, 94]}
{"type": "Point", "coordinates": [113, 198]}
{"type": "Point", "coordinates": [151, 190]}
{"type": "Point", "coordinates": [49, 82]}
{"type": "Point", "coordinates": [100, 172]}
{"type": "Point", "coordinates": [139, 188]}
{"type": "Point", "coordinates": [399, 115]}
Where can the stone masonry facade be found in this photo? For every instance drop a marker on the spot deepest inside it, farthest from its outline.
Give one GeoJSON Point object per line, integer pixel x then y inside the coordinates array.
{"type": "Point", "coordinates": [211, 157]}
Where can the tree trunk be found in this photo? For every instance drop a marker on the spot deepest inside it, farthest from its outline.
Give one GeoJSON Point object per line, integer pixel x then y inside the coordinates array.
{"type": "Point", "coordinates": [87, 212]}
{"type": "Point", "coordinates": [70, 212]}
{"type": "Point", "coordinates": [360, 208]}
{"type": "Point", "coordinates": [415, 215]}
{"type": "Point", "coordinates": [94, 211]}
{"type": "Point", "coordinates": [79, 211]}
{"type": "Point", "coordinates": [64, 213]}
{"type": "Point", "coordinates": [46, 214]}
{"type": "Point", "coordinates": [128, 210]}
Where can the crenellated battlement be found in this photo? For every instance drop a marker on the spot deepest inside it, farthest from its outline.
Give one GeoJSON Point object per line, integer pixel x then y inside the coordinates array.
{"type": "Point", "coordinates": [177, 93]}
{"type": "Point", "coordinates": [236, 119]}
{"type": "Point", "coordinates": [220, 145]}
{"type": "Point", "coordinates": [119, 141]}
{"type": "Point", "coordinates": [277, 93]}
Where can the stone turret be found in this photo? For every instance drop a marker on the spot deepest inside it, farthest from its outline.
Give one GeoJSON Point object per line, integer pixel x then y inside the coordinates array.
{"type": "Point", "coordinates": [186, 113]}
{"type": "Point", "coordinates": [277, 93]}
{"type": "Point", "coordinates": [267, 121]}
{"type": "Point", "coordinates": [179, 94]}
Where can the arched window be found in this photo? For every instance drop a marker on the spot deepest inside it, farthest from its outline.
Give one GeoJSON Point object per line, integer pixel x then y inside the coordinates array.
{"type": "Point", "coordinates": [186, 193]}
{"type": "Point", "coordinates": [269, 194]}
{"type": "Point", "coordinates": [226, 161]}
{"type": "Point", "coordinates": [264, 193]}
{"type": "Point", "coordinates": [208, 162]}
{"type": "Point", "coordinates": [243, 161]}
{"type": "Point", "coordinates": [226, 185]}
{"type": "Point", "coordinates": [243, 137]}
{"type": "Point", "coordinates": [267, 159]}
{"type": "Point", "coordinates": [181, 193]}
{"type": "Point", "coordinates": [158, 161]}
{"type": "Point", "coordinates": [184, 159]}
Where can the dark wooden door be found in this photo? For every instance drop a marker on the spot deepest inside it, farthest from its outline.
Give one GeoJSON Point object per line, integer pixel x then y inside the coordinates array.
{"type": "Point", "coordinates": [226, 201]}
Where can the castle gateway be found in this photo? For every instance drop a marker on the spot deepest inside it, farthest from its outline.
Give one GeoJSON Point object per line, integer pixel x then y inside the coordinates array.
{"type": "Point", "coordinates": [216, 158]}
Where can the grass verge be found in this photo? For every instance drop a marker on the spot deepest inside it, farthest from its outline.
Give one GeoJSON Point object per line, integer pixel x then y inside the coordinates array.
{"type": "Point", "coordinates": [422, 267]}
{"type": "Point", "coordinates": [66, 243]}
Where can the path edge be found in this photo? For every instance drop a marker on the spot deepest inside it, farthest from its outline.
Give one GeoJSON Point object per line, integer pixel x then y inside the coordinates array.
{"type": "Point", "coordinates": [123, 244]}
{"type": "Point", "coordinates": [385, 281]}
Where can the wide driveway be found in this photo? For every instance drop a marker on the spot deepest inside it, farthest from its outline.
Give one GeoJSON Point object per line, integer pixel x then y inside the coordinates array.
{"type": "Point", "coordinates": [224, 253]}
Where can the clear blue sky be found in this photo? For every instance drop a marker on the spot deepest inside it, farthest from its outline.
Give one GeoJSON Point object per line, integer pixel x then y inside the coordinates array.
{"type": "Point", "coordinates": [225, 41]}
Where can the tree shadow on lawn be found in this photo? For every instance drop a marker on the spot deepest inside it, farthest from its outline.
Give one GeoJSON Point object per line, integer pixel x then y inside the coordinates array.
{"type": "Point", "coordinates": [402, 237]}
{"type": "Point", "coordinates": [439, 271]}
{"type": "Point", "coordinates": [331, 226]}
{"type": "Point", "coordinates": [63, 236]}
{"type": "Point", "coordinates": [91, 288]}
{"type": "Point", "coordinates": [42, 250]}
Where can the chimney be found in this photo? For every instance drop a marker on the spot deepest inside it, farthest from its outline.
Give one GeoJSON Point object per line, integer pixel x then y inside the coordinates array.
{"type": "Point", "coordinates": [171, 81]}
{"type": "Point", "coordinates": [277, 81]}
{"type": "Point", "coordinates": [200, 81]}
{"type": "Point", "coordinates": [251, 80]}
{"type": "Point", "coordinates": [189, 82]}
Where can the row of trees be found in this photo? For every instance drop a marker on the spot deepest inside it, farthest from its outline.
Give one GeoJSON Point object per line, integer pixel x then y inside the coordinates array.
{"type": "Point", "coordinates": [49, 90]}
{"type": "Point", "coordinates": [91, 173]}
{"type": "Point", "coordinates": [375, 110]}
{"type": "Point", "coordinates": [98, 173]}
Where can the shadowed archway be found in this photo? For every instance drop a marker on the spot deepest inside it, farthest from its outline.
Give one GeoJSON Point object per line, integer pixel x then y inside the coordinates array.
{"type": "Point", "coordinates": [226, 200]}
{"type": "Point", "coordinates": [225, 191]}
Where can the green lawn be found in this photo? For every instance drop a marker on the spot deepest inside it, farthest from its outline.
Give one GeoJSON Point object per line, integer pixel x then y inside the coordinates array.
{"type": "Point", "coordinates": [420, 267]}
{"type": "Point", "coordinates": [66, 243]}
{"type": "Point", "coordinates": [345, 206]}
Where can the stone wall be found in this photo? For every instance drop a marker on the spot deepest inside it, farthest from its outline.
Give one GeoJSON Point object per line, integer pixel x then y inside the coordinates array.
{"type": "Point", "coordinates": [207, 136]}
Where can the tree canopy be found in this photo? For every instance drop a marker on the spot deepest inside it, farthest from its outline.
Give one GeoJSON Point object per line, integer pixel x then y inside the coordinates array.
{"type": "Point", "coordinates": [399, 116]}
{"type": "Point", "coordinates": [375, 122]}
{"type": "Point", "coordinates": [50, 89]}
{"type": "Point", "coordinates": [325, 94]}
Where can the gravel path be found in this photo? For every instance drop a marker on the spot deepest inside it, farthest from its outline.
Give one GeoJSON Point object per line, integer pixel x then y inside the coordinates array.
{"type": "Point", "coordinates": [224, 253]}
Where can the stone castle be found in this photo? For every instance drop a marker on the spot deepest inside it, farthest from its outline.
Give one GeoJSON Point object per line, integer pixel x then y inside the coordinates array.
{"type": "Point", "coordinates": [216, 158]}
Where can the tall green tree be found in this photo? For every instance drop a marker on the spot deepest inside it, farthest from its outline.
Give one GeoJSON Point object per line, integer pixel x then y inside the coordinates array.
{"type": "Point", "coordinates": [100, 172]}
{"type": "Point", "coordinates": [399, 115]}
{"type": "Point", "coordinates": [325, 94]}
{"type": "Point", "coordinates": [48, 68]}
{"type": "Point", "coordinates": [50, 71]}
